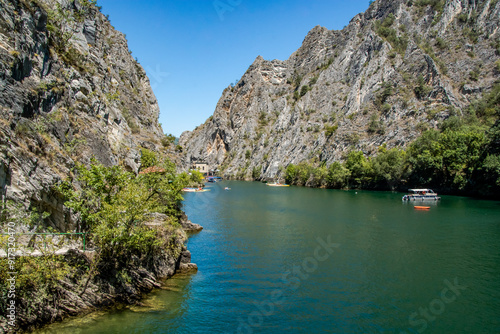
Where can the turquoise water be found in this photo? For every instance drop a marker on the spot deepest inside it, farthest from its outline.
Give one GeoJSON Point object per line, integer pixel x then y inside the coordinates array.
{"type": "Point", "coordinates": [299, 260]}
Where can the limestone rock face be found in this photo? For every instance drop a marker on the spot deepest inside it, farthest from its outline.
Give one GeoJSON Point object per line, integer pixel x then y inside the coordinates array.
{"type": "Point", "coordinates": [69, 90]}
{"type": "Point", "coordinates": [395, 70]}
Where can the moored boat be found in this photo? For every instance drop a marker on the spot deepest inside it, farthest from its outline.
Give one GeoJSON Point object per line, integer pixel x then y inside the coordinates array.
{"type": "Point", "coordinates": [277, 185]}
{"type": "Point", "coordinates": [194, 190]}
{"type": "Point", "coordinates": [213, 179]}
{"type": "Point", "coordinates": [421, 195]}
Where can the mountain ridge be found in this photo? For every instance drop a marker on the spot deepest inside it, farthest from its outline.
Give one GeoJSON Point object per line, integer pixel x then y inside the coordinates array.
{"type": "Point", "coordinates": [394, 70]}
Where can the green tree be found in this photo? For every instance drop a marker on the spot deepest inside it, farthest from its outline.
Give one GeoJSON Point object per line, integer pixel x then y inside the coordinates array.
{"type": "Point", "coordinates": [338, 175]}
{"type": "Point", "coordinates": [291, 174]}
{"type": "Point", "coordinates": [196, 177]}
{"type": "Point", "coordinates": [97, 185]}
{"type": "Point", "coordinates": [488, 175]}
{"type": "Point", "coordinates": [389, 167]}
{"type": "Point", "coordinates": [447, 159]}
{"type": "Point", "coordinates": [386, 92]}
{"type": "Point", "coordinates": [359, 167]}
{"type": "Point", "coordinates": [148, 158]}
{"type": "Point", "coordinates": [304, 171]}
{"type": "Point", "coordinates": [425, 159]}
{"type": "Point", "coordinates": [113, 206]}
{"type": "Point", "coordinates": [319, 176]}
{"type": "Point", "coordinates": [462, 151]}
{"type": "Point", "coordinates": [256, 172]}
{"type": "Point", "coordinates": [164, 189]}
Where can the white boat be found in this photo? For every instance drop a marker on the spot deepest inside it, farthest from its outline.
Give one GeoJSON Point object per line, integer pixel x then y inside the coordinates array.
{"type": "Point", "coordinates": [195, 190]}
{"type": "Point", "coordinates": [421, 195]}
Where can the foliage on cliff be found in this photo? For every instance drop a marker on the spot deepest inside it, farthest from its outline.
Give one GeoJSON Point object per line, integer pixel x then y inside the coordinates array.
{"type": "Point", "coordinates": [463, 156]}
{"type": "Point", "coordinates": [117, 210]}
{"type": "Point", "coordinates": [115, 204]}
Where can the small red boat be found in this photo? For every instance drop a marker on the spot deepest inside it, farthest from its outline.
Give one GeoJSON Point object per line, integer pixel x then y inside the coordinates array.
{"type": "Point", "coordinates": [417, 207]}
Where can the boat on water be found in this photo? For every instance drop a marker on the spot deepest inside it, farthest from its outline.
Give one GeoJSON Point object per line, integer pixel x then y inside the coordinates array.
{"type": "Point", "coordinates": [421, 195]}
{"type": "Point", "coordinates": [213, 179]}
{"type": "Point", "coordinates": [195, 190]}
{"type": "Point", "coordinates": [277, 185]}
{"type": "Point", "coordinates": [418, 207]}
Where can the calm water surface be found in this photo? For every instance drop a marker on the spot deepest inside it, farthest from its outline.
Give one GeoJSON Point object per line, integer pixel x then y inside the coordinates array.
{"type": "Point", "coordinates": [301, 260]}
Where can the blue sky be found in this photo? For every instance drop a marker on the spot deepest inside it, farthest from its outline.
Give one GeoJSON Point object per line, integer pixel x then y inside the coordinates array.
{"type": "Point", "coordinates": [192, 50]}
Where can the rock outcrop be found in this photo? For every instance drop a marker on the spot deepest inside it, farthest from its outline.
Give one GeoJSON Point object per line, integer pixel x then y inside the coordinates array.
{"type": "Point", "coordinates": [398, 68]}
{"type": "Point", "coordinates": [188, 225]}
{"type": "Point", "coordinates": [74, 296]}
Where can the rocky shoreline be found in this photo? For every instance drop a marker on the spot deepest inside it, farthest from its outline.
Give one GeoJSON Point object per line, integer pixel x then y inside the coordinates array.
{"type": "Point", "coordinates": [72, 299]}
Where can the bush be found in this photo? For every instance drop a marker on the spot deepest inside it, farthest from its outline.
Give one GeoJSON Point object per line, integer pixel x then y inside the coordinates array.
{"type": "Point", "coordinates": [36, 277]}
{"type": "Point", "coordinates": [330, 130]}
{"type": "Point", "coordinates": [376, 125]}
{"type": "Point", "coordinates": [304, 90]}
{"type": "Point", "coordinates": [462, 17]}
{"type": "Point", "coordinates": [383, 29]}
{"type": "Point", "coordinates": [24, 128]}
{"type": "Point", "coordinates": [386, 107]}
{"type": "Point", "coordinates": [148, 158]}
{"type": "Point", "coordinates": [437, 5]}
{"type": "Point", "coordinates": [14, 53]}
{"type": "Point", "coordinates": [168, 140]}
{"type": "Point", "coordinates": [386, 92]}
{"type": "Point", "coordinates": [296, 95]}
{"type": "Point", "coordinates": [474, 75]}
{"type": "Point", "coordinates": [256, 172]}
{"type": "Point", "coordinates": [421, 89]}
{"type": "Point", "coordinates": [262, 119]}
{"type": "Point", "coordinates": [441, 43]}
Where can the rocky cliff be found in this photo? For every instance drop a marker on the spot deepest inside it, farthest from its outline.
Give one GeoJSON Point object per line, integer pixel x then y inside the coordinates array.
{"type": "Point", "coordinates": [69, 90]}
{"type": "Point", "coordinates": [395, 70]}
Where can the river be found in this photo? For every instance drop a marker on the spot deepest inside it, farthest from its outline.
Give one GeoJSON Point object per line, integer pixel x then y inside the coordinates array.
{"type": "Point", "coordinates": [300, 260]}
